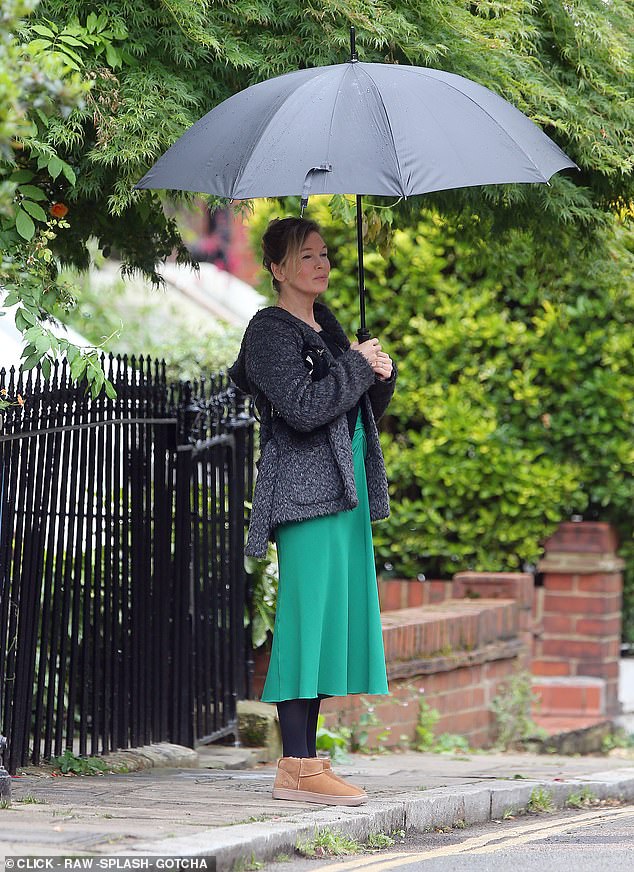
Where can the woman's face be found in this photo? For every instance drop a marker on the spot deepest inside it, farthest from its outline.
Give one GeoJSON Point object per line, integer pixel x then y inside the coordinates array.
{"type": "Point", "coordinates": [309, 273]}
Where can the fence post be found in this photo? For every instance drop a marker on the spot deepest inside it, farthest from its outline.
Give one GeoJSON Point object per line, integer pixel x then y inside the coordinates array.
{"type": "Point", "coordinates": [237, 426]}
{"type": "Point", "coordinates": [5, 778]}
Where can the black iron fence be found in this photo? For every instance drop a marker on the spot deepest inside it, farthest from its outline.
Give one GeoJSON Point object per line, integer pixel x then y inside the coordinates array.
{"type": "Point", "coordinates": [122, 588]}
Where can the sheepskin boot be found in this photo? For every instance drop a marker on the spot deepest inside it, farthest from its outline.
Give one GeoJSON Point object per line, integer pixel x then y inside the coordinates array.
{"type": "Point", "coordinates": [328, 771]}
{"type": "Point", "coordinates": [304, 779]}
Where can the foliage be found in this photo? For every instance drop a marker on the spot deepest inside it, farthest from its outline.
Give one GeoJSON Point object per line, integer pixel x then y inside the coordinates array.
{"type": "Point", "coordinates": [619, 738]}
{"type": "Point", "coordinates": [263, 576]}
{"type": "Point", "coordinates": [40, 87]}
{"type": "Point", "coordinates": [426, 739]}
{"type": "Point", "coordinates": [68, 762]}
{"type": "Point", "coordinates": [581, 799]}
{"type": "Point", "coordinates": [541, 800]}
{"type": "Point", "coordinates": [512, 711]}
{"type": "Point", "coordinates": [336, 741]}
{"type": "Point", "coordinates": [515, 402]}
{"type": "Point", "coordinates": [30, 799]}
{"type": "Point", "coordinates": [326, 843]}
{"type": "Point", "coordinates": [106, 87]}
{"type": "Point", "coordinates": [380, 840]}
{"type": "Point", "coordinates": [127, 317]}
{"type": "Point", "coordinates": [428, 717]}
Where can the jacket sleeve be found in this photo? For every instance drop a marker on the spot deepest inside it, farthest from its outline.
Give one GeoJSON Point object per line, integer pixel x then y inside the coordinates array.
{"type": "Point", "coordinates": [381, 393]}
{"type": "Point", "coordinates": [275, 367]}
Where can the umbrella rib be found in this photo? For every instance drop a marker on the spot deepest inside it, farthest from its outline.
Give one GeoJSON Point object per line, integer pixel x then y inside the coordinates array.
{"type": "Point", "coordinates": [389, 127]}
{"type": "Point", "coordinates": [421, 72]}
{"type": "Point", "coordinates": [347, 69]}
{"type": "Point", "coordinates": [269, 121]}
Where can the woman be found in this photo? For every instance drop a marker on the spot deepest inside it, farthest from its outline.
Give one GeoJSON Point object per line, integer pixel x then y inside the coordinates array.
{"type": "Point", "coordinates": [321, 480]}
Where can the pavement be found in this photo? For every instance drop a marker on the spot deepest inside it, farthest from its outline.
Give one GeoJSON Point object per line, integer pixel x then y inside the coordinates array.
{"type": "Point", "coordinates": [213, 807]}
{"type": "Point", "coordinates": [227, 815]}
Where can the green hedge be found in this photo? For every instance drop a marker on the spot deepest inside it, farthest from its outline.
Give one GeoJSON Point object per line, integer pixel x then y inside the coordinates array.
{"type": "Point", "coordinates": [515, 401]}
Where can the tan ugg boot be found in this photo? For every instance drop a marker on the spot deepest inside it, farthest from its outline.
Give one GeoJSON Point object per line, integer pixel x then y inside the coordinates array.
{"type": "Point", "coordinates": [328, 771]}
{"type": "Point", "coordinates": [304, 779]}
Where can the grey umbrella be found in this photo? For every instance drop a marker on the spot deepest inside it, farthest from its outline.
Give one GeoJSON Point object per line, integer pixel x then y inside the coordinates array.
{"type": "Point", "coordinates": [357, 128]}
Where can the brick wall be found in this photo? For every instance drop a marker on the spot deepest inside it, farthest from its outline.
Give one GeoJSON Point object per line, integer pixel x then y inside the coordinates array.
{"type": "Point", "coordinates": [458, 641]}
{"type": "Point", "coordinates": [577, 611]}
{"type": "Point", "coordinates": [457, 653]}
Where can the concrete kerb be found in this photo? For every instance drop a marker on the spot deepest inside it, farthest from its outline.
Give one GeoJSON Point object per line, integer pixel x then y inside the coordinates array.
{"type": "Point", "coordinates": [150, 756]}
{"type": "Point", "coordinates": [438, 807]}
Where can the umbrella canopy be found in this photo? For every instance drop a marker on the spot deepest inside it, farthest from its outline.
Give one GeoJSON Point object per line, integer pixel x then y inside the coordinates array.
{"type": "Point", "coordinates": [357, 128]}
{"type": "Point", "coordinates": [384, 129]}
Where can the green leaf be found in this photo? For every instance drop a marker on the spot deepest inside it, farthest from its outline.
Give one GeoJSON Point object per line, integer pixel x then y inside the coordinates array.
{"type": "Point", "coordinates": [113, 56]}
{"type": "Point", "coordinates": [21, 176]}
{"type": "Point", "coordinates": [46, 367]}
{"type": "Point", "coordinates": [65, 58]}
{"type": "Point", "coordinates": [91, 23]}
{"type": "Point", "coordinates": [110, 390]}
{"type": "Point", "coordinates": [78, 368]}
{"type": "Point", "coordinates": [20, 321]}
{"type": "Point", "coordinates": [34, 210]}
{"type": "Point", "coordinates": [43, 343]}
{"type": "Point", "coordinates": [10, 300]}
{"type": "Point", "coordinates": [37, 45]}
{"type": "Point", "coordinates": [55, 166]}
{"type": "Point", "coordinates": [43, 31]}
{"type": "Point", "coordinates": [27, 316]}
{"type": "Point", "coordinates": [69, 172]}
{"type": "Point", "coordinates": [31, 361]}
{"type": "Point", "coordinates": [70, 40]}
{"type": "Point", "coordinates": [28, 350]}
{"type": "Point", "coordinates": [32, 191]}
{"type": "Point", "coordinates": [24, 225]}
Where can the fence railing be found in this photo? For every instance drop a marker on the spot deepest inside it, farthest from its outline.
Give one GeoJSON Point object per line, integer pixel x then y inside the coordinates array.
{"type": "Point", "coordinates": [122, 588]}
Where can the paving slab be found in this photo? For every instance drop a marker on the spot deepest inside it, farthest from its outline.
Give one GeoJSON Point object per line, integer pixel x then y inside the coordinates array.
{"type": "Point", "coordinates": [229, 814]}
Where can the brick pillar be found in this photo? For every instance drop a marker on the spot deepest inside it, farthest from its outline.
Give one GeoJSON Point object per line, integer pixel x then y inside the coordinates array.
{"type": "Point", "coordinates": [579, 609]}
{"type": "Point", "coordinates": [517, 586]}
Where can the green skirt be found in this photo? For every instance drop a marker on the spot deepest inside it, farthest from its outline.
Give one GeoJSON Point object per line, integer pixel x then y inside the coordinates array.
{"type": "Point", "coordinates": [327, 638]}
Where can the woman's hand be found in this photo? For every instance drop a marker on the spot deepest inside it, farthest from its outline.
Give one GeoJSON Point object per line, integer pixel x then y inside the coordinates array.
{"type": "Point", "coordinates": [383, 366]}
{"type": "Point", "coordinates": [380, 362]}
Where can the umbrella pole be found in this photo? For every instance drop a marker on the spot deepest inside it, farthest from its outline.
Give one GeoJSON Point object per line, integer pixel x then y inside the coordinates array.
{"type": "Point", "coordinates": [363, 334]}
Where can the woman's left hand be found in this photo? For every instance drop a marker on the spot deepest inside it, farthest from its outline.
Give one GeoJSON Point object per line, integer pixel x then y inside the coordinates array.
{"type": "Point", "coordinates": [383, 366]}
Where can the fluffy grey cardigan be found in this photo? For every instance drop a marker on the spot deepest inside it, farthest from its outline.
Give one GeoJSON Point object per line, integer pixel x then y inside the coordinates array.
{"type": "Point", "coordinates": [306, 468]}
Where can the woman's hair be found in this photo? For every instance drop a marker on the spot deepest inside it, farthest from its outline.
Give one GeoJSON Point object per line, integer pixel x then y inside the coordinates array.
{"type": "Point", "coordinates": [283, 241]}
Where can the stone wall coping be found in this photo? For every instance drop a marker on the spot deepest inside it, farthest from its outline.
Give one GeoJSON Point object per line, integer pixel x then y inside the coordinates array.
{"type": "Point", "coordinates": [503, 650]}
{"type": "Point", "coordinates": [446, 609]}
{"type": "Point", "coordinates": [580, 563]}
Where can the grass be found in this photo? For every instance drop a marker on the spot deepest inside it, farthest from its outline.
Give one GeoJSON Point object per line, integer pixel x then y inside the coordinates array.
{"type": "Point", "coordinates": [29, 799]}
{"type": "Point", "coordinates": [540, 801]}
{"type": "Point", "coordinates": [584, 798]}
{"type": "Point", "coordinates": [5, 803]}
{"type": "Point", "coordinates": [329, 843]}
{"type": "Point", "coordinates": [247, 865]}
{"type": "Point", "coordinates": [379, 840]}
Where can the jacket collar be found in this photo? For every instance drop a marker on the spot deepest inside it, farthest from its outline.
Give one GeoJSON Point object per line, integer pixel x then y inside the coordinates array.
{"type": "Point", "coordinates": [323, 316]}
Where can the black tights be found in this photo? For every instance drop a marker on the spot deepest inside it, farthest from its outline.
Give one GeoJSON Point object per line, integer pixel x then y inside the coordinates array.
{"type": "Point", "coordinates": [298, 723]}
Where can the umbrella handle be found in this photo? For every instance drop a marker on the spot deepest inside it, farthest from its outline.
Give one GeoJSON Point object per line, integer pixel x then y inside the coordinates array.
{"type": "Point", "coordinates": [308, 183]}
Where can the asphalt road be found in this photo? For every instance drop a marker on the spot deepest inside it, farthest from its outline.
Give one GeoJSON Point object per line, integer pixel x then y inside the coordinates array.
{"type": "Point", "coordinates": [591, 840]}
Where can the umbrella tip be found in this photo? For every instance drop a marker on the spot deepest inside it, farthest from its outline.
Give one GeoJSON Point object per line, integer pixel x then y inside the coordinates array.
{"type": "Point", "coordinates": [353, 48]}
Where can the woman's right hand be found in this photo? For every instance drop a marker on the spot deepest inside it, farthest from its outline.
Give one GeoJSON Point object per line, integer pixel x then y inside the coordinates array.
{"type": "Point", "coordinates": [369, 349]}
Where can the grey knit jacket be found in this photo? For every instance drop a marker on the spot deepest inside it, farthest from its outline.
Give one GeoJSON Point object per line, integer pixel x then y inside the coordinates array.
{"type": "Point", "coordinates": [305, 468]}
